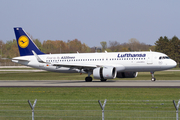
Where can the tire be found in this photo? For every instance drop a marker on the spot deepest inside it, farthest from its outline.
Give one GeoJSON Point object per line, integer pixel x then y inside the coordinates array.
{"type": "Point", "coordinates": [153, 79]}
{"type": "Point", "coordinates": [103, 80]}
{"type": "Point", "coordinates": [88, 79]}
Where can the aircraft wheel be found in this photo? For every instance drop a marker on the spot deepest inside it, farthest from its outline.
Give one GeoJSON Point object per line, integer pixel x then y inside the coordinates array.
{"type": "Point", "coordinates": [88, 79]}
{"type": "Point", "coordinates": [153, 79]}
{"type": "Point", "coordinates": [103, 80]}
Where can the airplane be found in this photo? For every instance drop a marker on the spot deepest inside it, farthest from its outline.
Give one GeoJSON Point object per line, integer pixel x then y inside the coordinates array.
{"type": "Point", "coordinates": [103, 66]}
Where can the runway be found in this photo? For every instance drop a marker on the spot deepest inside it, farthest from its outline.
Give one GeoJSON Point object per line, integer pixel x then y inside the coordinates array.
{"type": "Point", "coordinates": [82, 83]}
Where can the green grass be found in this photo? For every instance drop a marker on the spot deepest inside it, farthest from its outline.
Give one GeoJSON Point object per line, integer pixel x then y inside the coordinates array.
{"type": "Point", "coordinates": [160, 75]}
{"type": "Point", "coordinates": [56, 103]}
{"type": "Point", "coordinates": [82, 103]}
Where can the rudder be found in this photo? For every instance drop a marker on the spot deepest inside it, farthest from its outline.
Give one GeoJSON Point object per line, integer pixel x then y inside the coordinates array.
{"type": "Point", "coordinates": [25, 44]}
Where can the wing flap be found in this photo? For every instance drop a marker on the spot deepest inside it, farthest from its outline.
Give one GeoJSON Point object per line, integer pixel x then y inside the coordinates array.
{"type": "Point", "coordinates": [75, 65]}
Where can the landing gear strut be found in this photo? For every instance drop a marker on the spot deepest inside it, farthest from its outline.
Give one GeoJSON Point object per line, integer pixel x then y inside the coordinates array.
{"type": "Point", "coordinates": [153, 79]}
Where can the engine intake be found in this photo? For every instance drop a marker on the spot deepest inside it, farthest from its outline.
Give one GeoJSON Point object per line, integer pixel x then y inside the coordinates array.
{"type": "Point", "coordinates": [104, 73]}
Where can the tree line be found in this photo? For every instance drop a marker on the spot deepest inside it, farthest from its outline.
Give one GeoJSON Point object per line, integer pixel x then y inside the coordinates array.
{"type": "Point", "coordinates": [170, 47]}
{"type": "Point", "coordinates": [10, 48]}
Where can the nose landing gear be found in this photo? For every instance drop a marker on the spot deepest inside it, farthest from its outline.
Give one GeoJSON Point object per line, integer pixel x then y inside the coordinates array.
{"type": "Point", "coordinates": [153, 79]}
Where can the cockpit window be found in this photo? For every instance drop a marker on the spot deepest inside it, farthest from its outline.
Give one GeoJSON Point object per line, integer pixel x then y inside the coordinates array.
{"type": "Point", "coordinates": [163, 57]}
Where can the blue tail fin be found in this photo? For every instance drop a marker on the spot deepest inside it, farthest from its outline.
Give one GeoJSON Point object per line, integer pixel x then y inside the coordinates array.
{"type": "Point", "coordinates": [25, 44]}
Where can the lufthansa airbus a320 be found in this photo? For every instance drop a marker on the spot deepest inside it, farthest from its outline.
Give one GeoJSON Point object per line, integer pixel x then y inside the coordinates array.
{"type": "Point", "coordinates": [103, 66]}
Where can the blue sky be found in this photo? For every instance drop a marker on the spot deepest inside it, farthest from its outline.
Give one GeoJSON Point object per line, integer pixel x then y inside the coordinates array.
{"type": "Point", "coordinates": [91, 21]}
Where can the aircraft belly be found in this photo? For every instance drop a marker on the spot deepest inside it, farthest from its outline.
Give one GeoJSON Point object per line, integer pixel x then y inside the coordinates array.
{"type": "Point", "coordinates": [144, 68]}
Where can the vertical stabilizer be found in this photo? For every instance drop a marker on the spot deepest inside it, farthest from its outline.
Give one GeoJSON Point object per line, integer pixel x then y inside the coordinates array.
{"type": "Point", "coordinates": [25, 44]}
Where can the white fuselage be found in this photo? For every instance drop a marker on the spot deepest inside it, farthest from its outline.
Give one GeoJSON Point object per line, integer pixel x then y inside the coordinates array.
{"type": "Point", "coordinates": [123, 61]}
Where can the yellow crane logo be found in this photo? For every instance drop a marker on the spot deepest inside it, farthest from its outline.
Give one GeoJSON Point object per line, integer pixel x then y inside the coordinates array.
{"type": "Point", "coordinates": [23, 41]}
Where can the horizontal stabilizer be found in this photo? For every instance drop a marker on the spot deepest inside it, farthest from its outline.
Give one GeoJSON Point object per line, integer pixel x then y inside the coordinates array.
{"type": "Point", "coordinates": [20, 59]}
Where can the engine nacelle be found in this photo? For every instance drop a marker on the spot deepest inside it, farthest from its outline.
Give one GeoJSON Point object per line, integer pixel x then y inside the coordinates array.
{"type": "Point", "coordinates": [126, 74]}
{"type": "Point", "coordinates": [104, 73]}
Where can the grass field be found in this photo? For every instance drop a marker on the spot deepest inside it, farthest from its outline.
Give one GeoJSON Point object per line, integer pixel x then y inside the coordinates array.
{"type": "Point", "coordinates": [56, 103]}
{"type": "Point", "coordinates": [82, 103]}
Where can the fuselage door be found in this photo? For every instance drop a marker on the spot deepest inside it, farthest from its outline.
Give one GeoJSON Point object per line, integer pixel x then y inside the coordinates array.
{"type": "Point", "coordinates": [150, 58]}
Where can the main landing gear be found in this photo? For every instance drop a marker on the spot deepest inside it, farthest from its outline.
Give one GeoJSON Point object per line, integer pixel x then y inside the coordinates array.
{"type": "Point", "coordinates": [103, 80]}
{"type": "Point", "coordinates": [88, 78]}
{"type": "Point", "coordinates": [153, 79]}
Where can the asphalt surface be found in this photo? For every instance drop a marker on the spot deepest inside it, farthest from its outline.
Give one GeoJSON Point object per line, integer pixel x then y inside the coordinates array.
{"type": "Point", "coordinates": [82, 83]}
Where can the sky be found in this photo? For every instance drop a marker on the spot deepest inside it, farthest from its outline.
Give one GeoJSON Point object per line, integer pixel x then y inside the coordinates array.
{"type": "Point", "coordinates": [91, 21]}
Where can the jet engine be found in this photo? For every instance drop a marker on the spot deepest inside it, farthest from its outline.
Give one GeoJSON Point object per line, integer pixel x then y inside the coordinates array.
{"type": "Point", "coordinates": [104, 73]}
{"type": "Point", "coordinates": [126, 74]}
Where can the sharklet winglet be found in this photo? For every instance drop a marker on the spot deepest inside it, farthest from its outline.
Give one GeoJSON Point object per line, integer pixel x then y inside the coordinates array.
{"type": "Point", "coordinates": [37, 57]}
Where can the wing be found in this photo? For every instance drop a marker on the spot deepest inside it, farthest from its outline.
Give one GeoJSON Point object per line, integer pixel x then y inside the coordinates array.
{"type": "Point", "coordinates": [79, 66]}
{"type": "Point", "coordinates": [70, 65]}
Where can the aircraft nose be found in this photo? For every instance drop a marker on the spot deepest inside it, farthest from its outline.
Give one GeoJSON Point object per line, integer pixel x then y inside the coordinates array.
{"type": "Point", "coordinates": [173, 63]}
